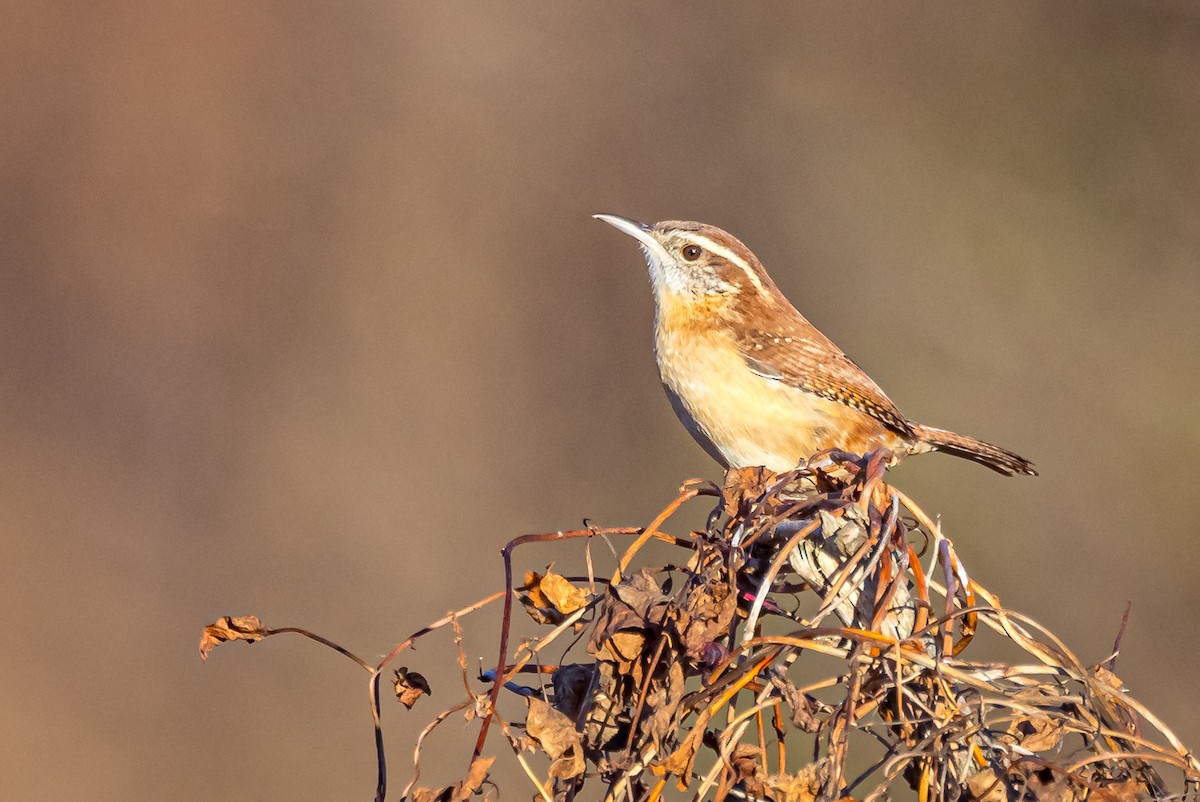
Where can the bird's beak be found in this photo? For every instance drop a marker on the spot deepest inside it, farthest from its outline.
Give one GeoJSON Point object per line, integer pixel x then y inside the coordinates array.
{"type": "Point", "coordinates": [641, 232]}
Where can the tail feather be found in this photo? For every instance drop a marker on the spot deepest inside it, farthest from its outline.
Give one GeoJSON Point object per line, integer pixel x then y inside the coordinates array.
{"type": "Point", "coordinates": [998, 459]}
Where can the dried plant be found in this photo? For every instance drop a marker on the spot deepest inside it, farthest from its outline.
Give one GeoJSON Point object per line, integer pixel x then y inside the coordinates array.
{"type": "Point", "coordinates": [796, 650]}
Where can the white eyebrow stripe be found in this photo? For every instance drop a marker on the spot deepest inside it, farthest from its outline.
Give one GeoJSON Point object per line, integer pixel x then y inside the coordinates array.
{"type": "Point", "coordinates": [720, 250]}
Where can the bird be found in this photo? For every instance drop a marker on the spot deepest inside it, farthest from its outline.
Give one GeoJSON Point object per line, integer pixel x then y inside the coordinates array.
{"type": "Point", "coordinates": [754, 382]}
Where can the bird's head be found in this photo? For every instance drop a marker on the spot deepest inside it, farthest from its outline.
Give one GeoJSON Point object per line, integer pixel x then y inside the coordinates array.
{"type": "Point", "coordinates": [697, 264]}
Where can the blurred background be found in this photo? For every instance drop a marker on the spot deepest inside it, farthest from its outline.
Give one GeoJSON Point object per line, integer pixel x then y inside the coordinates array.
{"type": "Point", "coordinates": [302, 314]}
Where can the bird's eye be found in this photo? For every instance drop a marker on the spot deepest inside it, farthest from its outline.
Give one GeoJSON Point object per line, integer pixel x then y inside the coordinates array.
{"type": "Point", "coordinates": [691, 252]}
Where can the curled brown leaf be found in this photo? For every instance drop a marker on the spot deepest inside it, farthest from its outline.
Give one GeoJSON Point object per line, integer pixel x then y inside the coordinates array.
{"type": "Point", "coordinates": [409, 685]}
{"type": "Point", "coordinates": [803, 786]}
{"type": "Point", "coordinates": [477, 775]}
{"type": "Point", "coordinates": [558, 738]}
{"type": "Point", "coordinates": [985, 786]}
{"type": "Point", "coordinates": [227, 628]}
{"type": "Point", "coordinates": [549, 597]}
{"type": "Point", "coordinates": [1037, 733]}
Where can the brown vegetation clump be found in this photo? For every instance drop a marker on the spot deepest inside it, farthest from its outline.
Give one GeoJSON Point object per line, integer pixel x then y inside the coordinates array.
{"type": "Point", "coordinates": [796, 650]}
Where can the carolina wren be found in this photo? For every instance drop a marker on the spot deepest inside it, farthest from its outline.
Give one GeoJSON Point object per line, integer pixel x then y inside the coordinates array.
{"type": "Point", "coordinates": [752, 380]}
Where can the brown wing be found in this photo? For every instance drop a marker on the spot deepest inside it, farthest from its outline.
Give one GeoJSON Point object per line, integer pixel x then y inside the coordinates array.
{"type": "Point", "coordinates": [809, 361]}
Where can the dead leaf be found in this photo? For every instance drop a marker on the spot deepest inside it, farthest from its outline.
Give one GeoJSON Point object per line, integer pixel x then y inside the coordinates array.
{"type": "Point", "coordinates": [1107, 677]}
{"type": "Point", "coordinates": [1045, 785]}
{"type": "Point", "coordinates": [535, 602]}
{"type": "Point", "coordinates": [550, 598]}
{"type": "Point", "coordinates": [624, 647]}
{"type": "Point", "coordinates": [635, 603]}
{"type": "Point", "coordinates": [985, 786]}
{"type": "Point", "coordinates": [409, 686]}
{"type": "Point", "coordinates": [706, 617]}
{"type": "Point", "coordinates": [746, 761]}
{"type": "Point", "coordinates": [680, 762]}
{"type": "Point", "coordinates": [804, 786]}
{"type": "Point", "coordinates": [616, 618]}
{"type": "Point", "coordinates": [226, 628]}
{"type": "Point", "coordinates": [482, 706]}
{"type": "Point", "coordinates": [565, 597]}
{"type": "Point", "coordinates": [572, 684]}
{"type": "Point", "coordinates": [803, 709]}
{"type": "Point", "coordinates": [1126, 716]}
{"type": "Point", "coordinates": [1037, 734]}
{"type": "Point", "coordinates": [477, 775]}
{"type": "Point", "coordinates": [433, 794]}
{"type": "Point", "coordinates": [643, 595]}
{"type": "Point", "coordinates": [629, 611]}
{"type": "Point", "coordinates": [558, 738]}
{"type": "Point", "coordinates": [663, 700]}
{"type": "Point", "coordinates": [741, 487]}
{"type": "Point", "coordinates": [604, 721]}
{"type": "Point", "coordinates": [1128, 790]}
